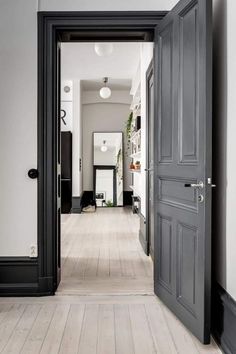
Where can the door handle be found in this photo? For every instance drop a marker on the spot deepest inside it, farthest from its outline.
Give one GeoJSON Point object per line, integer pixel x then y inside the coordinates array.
{"type": "Point", "coordinates": [199, 185]}
{"type": "Point", "coordinates": [210, 184]}
{"type": "Point", "coordinates": [33, 173]}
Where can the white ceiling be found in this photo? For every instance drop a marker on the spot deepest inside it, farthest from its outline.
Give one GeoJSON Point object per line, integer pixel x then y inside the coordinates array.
{"type": "Point", "coordinates": [105, 5]}
{"type": "Point", "coordinates": [80, 62]}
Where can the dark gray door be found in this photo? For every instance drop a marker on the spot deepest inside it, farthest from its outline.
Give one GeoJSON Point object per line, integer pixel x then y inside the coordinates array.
{"type": "Point", "coordinates": [150, 160]}
{"type": "Point", "coordinates": [183, 164]}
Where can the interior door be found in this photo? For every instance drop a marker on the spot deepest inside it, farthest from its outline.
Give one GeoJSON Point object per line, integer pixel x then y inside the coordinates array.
{"type": "Point", "coordinates": [150, 160]}
{"type": "Point", "coordinates": [183, 163]}
{"type": "Point", "coordinates": [57, 277]}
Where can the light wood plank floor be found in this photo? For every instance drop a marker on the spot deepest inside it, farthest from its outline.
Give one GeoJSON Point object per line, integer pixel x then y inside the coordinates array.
{"type": "Point", "coordinates": [94, 325]}
{"type": "Point", "coordinates": [101, 254]}
{"type": "Point", "coordinates": [98, 324]}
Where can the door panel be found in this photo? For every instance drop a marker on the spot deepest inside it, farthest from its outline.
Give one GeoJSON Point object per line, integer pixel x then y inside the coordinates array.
{"type": "Point", "coordinates": [165, 234]}
{"type": "Point", "coordinates": [189, 85]}
{"type": "Point", "coordinates": [166, 95]}
{"type": "Point", "coordinates": [182, 268]}
{"type": "Point", "coordinates": [186, 266]}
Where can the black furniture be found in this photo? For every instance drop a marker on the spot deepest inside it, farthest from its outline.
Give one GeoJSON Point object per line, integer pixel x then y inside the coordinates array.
{"type": "Point", "coordinates": [66, 172]}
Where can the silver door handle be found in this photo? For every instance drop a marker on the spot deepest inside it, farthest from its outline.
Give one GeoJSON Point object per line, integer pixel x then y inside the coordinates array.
{"type": "Point", "coordinates": [194, 185]}
{"type": "Point", "coordinates": [210, 184]}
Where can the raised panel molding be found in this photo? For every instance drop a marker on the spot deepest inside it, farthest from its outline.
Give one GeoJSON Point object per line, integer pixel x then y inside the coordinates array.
{"type": "Point", "coordinates": [165, 250]}
{"type": "Point", "coordinates": [165, 139]}
{"type": "Point", "coordinates": [171, 191]}
{"type": "Point", "coordinates": [187, 248]}
{"type": "Point", "coordinates": [19, 276]}
{"type": "Point", "coordinates": [188, 122]}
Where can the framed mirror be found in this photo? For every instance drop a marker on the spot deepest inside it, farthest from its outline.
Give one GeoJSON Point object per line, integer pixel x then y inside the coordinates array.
{"type": "Point", "coordinates": [108, 168]}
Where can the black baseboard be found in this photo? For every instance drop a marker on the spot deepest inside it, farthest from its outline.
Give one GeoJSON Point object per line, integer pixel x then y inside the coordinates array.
{"type": "Point", "coordinates": [18, 276]}
{"type": "Point", "coordinates": [127, 198]}
{"type": "Point", "coordinates": [76, 205]}
{"type": "Point", "coordinates": [66, 196]}
{"type": "Point", "coordinates": [77, 202]}
{"type": "Point", "coordinates": [224, 319]}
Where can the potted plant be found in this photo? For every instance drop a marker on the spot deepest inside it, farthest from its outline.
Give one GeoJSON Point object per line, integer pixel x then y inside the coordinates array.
{"type": "Point", "coordinates": [129, 130]}
{"type": "Point", "coordinates": [137, 165]}
{"type": "Point", "coordinates": [132, 166]}
{"type": "Point", "coordinates": [129, 125]}
{"type": "Point", "coordinates": [109, 204]}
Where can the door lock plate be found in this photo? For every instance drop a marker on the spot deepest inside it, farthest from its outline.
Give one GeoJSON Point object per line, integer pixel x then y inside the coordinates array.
{"type": "Point", "coordinates": [200, 198]}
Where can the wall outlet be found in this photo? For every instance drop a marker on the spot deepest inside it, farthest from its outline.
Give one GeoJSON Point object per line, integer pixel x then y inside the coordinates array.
{"type": "Point", "coordinates": [33, 251]}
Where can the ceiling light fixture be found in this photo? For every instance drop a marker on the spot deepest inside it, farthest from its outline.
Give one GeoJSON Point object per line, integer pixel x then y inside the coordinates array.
{"type": "Point", "coordinates": [103, 49]}
{"type": "Point", "coordinates": [104, 147]}
{"type": "Point", "coordinates": [105, 92]}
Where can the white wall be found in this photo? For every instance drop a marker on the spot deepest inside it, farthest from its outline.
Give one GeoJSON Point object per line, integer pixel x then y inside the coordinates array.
{"type": "Point", "coordinates": [67, 106]}
{"type": "Point", "coordinates": [18, 140]}
{"type": "Point", "coordinates": [77, 176]}
{"type": "Point", "coordinates": [117, 96]}
{"type": "Point", "coordinates": [224, 123]}
{"type": "Point", "coordinates": [219, 140]}
{"type": "Point", "coordinates": [71, 103]}
{"type": "Point", "coordinates": [231, 149]}
{"type": "Point", "coordinates": [18, 132]}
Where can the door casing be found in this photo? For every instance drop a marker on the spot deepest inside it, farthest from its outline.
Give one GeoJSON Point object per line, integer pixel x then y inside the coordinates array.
{"type": "Point", "coordinates": [54, 27]}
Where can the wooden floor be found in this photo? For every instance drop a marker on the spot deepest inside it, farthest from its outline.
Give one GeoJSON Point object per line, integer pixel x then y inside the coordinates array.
{"type": "Point", "coordinates": [101, 254]}
{"type": "Point", "coordinates": [97, 324]}
{"type": "Point", "coordinates": [94, 325]}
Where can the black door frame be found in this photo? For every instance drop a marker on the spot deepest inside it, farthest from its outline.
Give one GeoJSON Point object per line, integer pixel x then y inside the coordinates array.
{"type": "Point", "coordinates": [54, 27]}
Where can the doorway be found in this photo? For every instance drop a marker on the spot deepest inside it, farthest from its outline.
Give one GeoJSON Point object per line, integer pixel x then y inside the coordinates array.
{"type": "Point", "coordinates": [182, 189]}
{"type": "Point", "coordinates": [100, 248]}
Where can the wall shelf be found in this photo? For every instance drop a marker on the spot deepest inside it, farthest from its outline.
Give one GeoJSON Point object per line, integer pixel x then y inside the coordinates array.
{"type": "Point", "coordinates": [136, 155]}
{"type": "Point", "coordinates": [135, 135]}
{"type": "Point", "coordinates": [136, 192]}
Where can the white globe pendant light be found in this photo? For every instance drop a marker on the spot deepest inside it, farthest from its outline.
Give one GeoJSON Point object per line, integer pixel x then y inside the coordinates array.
{"type": "Point", "coordinates": [104, 147]}
{"type": "Point", "coordinates": [103, 49]}
{"type": "Point", "coordinates": [105, 92]}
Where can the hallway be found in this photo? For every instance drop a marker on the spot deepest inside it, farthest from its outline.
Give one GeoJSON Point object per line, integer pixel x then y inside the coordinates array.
{"type": "Point", "coordinates": [101, 254]}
